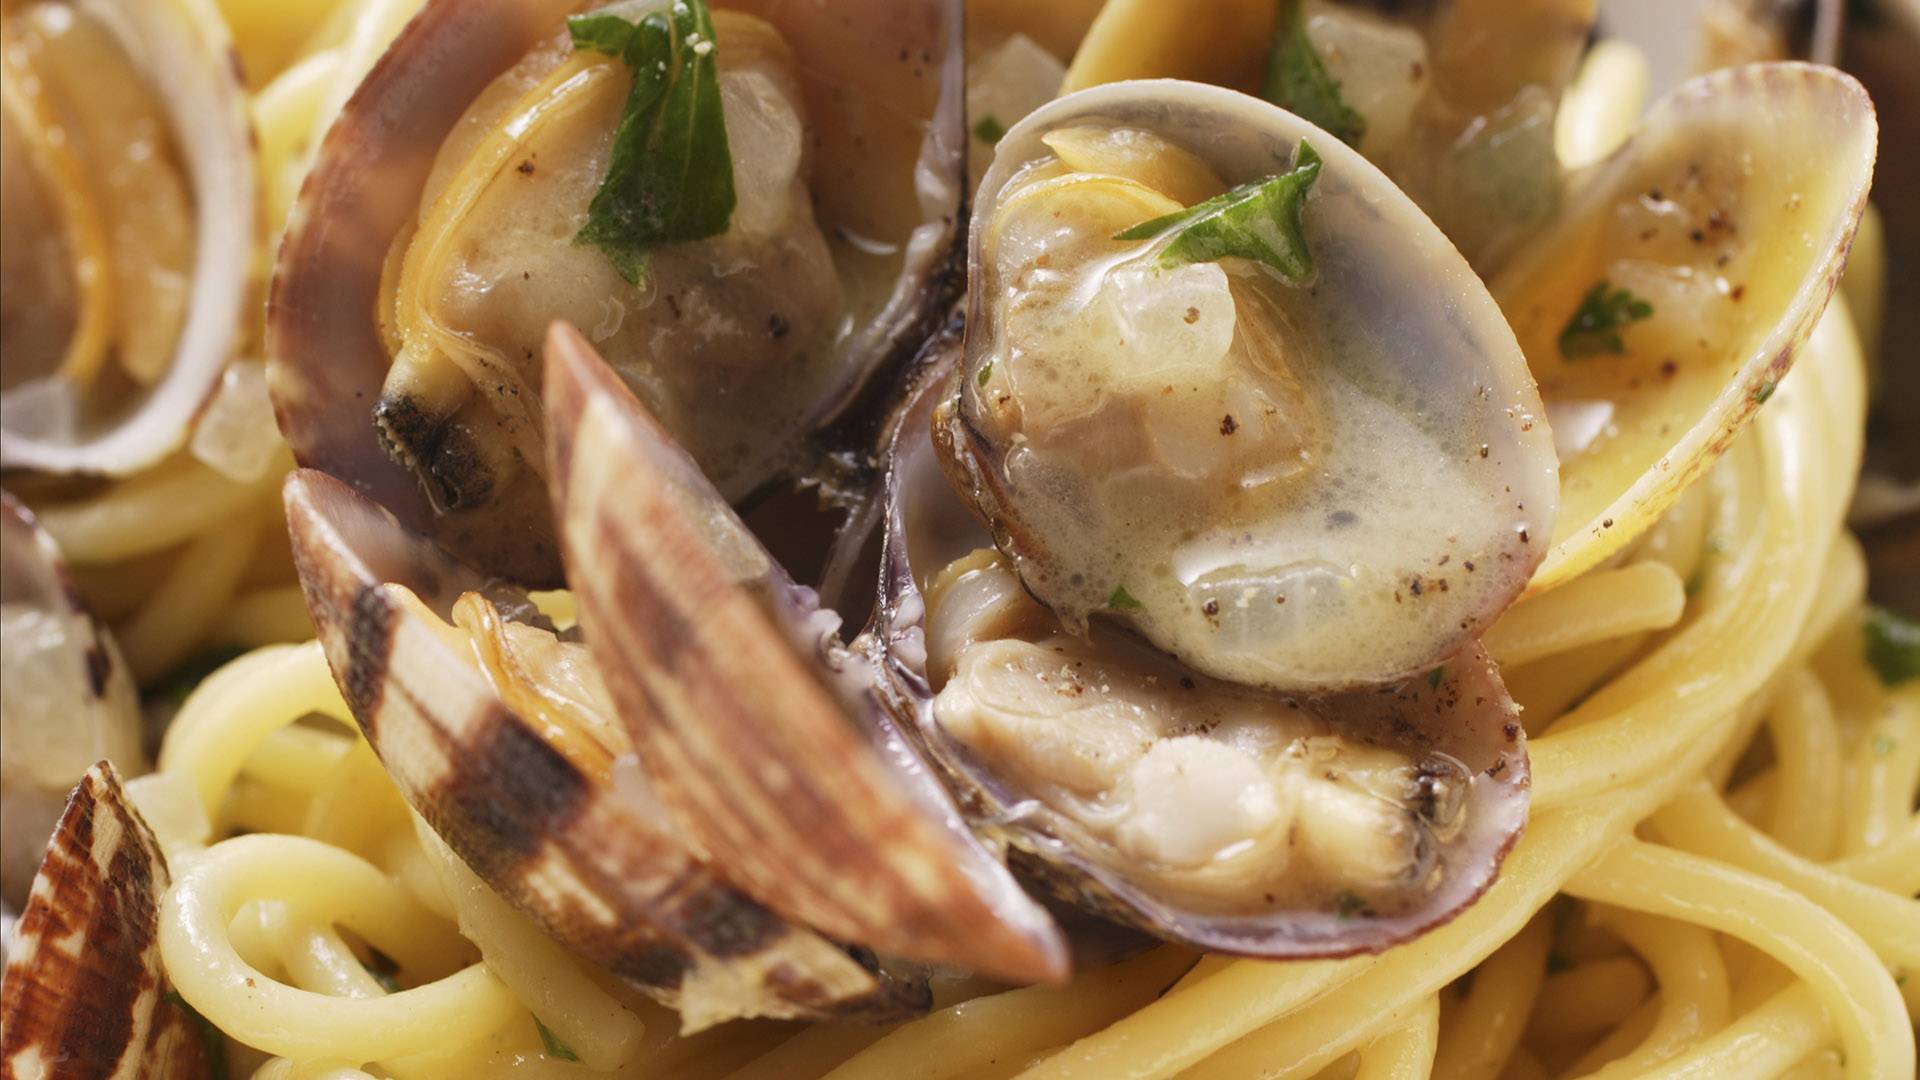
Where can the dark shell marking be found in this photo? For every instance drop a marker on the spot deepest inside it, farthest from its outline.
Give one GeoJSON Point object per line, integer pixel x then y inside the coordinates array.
{"type": "Point", "coordinates": [759, 734]}
{"type": "Point", "coordinates": [85, 995]}
{"type": "Point", "coordinates": [587, 864]}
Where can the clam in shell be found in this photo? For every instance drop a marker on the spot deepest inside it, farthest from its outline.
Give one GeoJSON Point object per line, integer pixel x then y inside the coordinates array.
{"type": "Point", "coordinates": [436, 239]}
{"type": "Point", "coordinates": [1455, 100]}
{"type": "Point", "coordinates": [1680, 280]}
{"type": "Point", "coordinates": [1230, 819]}
{"type": "Point", "coordinates": [762, 734]}
{"type": "Point", "coordinates": [1307, 479]}
{"type": "Point", "coordinates": [132, 210]}
{"type": "Point", "coordinates": [499, 733]}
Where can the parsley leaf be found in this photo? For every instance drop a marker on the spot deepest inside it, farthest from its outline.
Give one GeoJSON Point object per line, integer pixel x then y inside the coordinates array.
{"type": "Point", "coordinates": [670, 177]}
{"type": "Point", "coordinates": [556, 1049]}
{"type": "Point", "coordinates": [1893, 646]}
{"type": "Point", "coordinates": [1596, 324]}
{"type": "Point", "coordinates": [1347, 904]}
{"type": "Point", "coordinates": [1259, 221]}
{"type": "Point", "coordinates": [1124, 600]}
{"type": "Point", "coordinates": [1298, 82]}
{"type": "Point", "coordinates": [1435, 676]}
{"type": "Point", "coordinates": [989, 130]}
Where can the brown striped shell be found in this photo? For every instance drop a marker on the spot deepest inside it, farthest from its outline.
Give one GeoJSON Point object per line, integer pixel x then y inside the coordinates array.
{"type": "Point", "coordinates": [759, 732]}
{"type": "Point", "coordinates": [330, 360]}
{"type": "Point", "coordinates": [85, 996]}
{"type": "Point", "coordinates": [1459, 714]}
{"type": "Point", "coordinates": [594, 865]}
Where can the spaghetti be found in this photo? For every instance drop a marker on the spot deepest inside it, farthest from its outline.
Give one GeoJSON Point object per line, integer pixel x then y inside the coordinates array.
{"type": "Point", "coordinates": [1717, 879]}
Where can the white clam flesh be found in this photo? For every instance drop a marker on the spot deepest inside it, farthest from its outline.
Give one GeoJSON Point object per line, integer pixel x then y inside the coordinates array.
{"type": "Point", "coordinates": [1304, 482]}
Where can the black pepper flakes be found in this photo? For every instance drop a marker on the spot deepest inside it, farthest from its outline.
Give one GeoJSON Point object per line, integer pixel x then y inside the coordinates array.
{"type": "Point", "coordinates": [1227, 426]}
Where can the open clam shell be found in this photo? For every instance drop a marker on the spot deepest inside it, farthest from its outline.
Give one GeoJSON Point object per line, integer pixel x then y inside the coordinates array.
{"type": "Point", "coordinates": [454, 448]}
{"type": "Point", "coordinates": [112, 350]}
{"type": "Point", "coordinates": [1677, 285]}
{"type": "Point", "coordinates": [67, 699]}
{"type": "Point", "coordinates": [1309, 484]}
{"type": "Point", "coordinates": [758, 730]}
{"type": "Point", "coordinates": [85, 994]}
{"type": "Point", "coordinates": [536, 809]}
{"type": "Point", "coordinates": [1455, 100]}
{"type": "Point", "coordinates": [1458, 720]}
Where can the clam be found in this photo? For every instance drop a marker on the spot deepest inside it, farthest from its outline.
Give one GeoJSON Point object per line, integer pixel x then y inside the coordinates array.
{"type": "Point", "coordinates": [762, 735]}
{"type": "Point", "coordinates": [1250, 822]}
{"type": "Point", "coordinates": [1295, 447]}
{"type": "Point", "coordinates": [1679, 280]}
{"type": "Point", "coordinates": [440, 230]}
{"type": "Point", "coordinates": [66, 697]}
{"type": "Point", "coordinates": [131, 214]}
{"type": "Point", "coordinates": [1210, 813]}
{"type": "Point", "coordinates": [85, 993]}
{"type": "Point", "coordinates": [1455, 100]}
{"type": "Point", "coordinates": [499, 732]}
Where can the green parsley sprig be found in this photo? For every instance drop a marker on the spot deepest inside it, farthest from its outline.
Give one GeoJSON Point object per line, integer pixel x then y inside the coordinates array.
{"type": "Point", "coordinates": [1298, 82]}
{"type": "Point", "coordinates": [670, 177]}
{"type": "Point", "coordinates": [1261, 221]}
{"type": "Point", "coordinates": [1596, 324]}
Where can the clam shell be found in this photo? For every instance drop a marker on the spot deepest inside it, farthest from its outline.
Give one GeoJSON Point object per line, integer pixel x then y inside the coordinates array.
{"type": "Point", "coordinates": [604, 874]}
{"type": "Point", "coordinates": [183, 47]}
{"type": "Point", "coordinates": [85, 995]}
{"type": "Point", "coordinates": [1475, 76]}
{"type": "Point", "coordinates": [758, 731]}
{"type": "Point", "coordinates": [1783, 153]}
{"type": "Point", "coordinates": [66, 697]}
{"type": "Point", "coordinates": [1466, 713]}
{"type": "Point", "coordinates": [329, 360]}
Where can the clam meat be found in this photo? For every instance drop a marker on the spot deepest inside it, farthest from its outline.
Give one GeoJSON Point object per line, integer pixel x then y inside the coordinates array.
{"type": "Point", "coordinates": [1227, 386]}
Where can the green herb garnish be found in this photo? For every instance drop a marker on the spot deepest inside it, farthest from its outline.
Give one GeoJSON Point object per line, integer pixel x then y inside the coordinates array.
{"type": "Point", "coordinates": [1596, 325]}
{"type": "Point", "coordinates": [1764, 391]}
{"type": "Point", "coordinates": [986, 372]}
{"type": "Point", "coordinates": [215, 1042]}
{"type": "Point", "coordinates": [1123, 600]}
{"type": "Point", "coordinates": [1347, 903]}
{"type": "Point", "coordinates": [556, 1049]}
{"type": "Point", "coordinates": [1434, 676]}
{"type": "Point", "coordinates": [1893, 646]}
{"type": "Point", "coordinates": [989, 130]}
{"type": "Point", "coordinates": [670, 177]}
{"type": "Point", "coordinates": [1298, 82]}
{"type": "Point", "coordinates": [1259, 221]}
